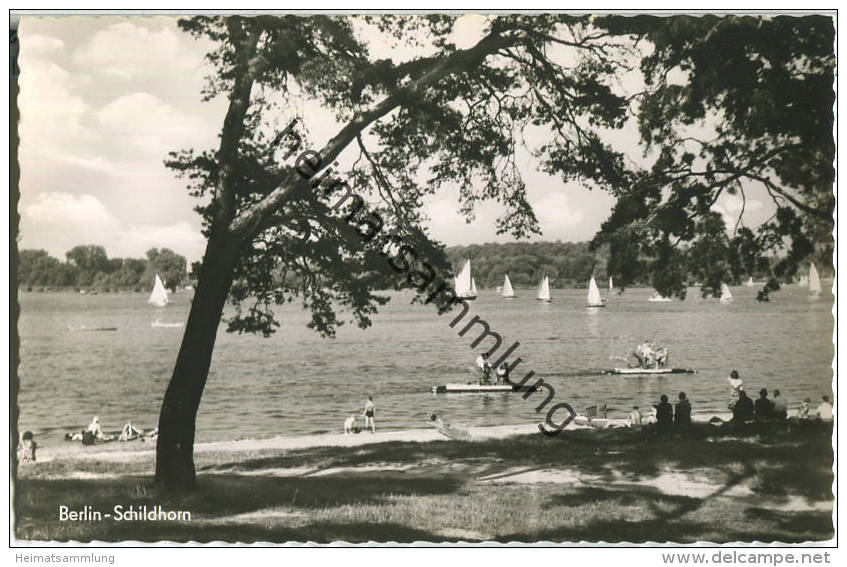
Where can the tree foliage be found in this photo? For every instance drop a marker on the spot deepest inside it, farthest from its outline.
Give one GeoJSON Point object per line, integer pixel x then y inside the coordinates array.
{"type": "Point", "coordinates": [88, 267]}
{"type": "Point", "coordinates": [729, 103]}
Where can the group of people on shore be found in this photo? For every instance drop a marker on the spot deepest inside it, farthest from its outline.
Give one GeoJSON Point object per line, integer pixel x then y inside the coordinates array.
{"type": "Point", "coordinates": [745, 410]}
{"type": "Point", "coordinates": [666, 417]}
{"type": "Point", "coordinates": [94, 432]}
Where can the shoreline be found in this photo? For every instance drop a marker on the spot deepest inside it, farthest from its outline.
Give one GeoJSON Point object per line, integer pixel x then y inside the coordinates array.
{"type": "Point", "coordinates": [125, 451]}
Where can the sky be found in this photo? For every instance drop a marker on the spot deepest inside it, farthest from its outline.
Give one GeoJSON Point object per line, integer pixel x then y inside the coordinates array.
{"type": "Point", "coordinates": [104, 99]}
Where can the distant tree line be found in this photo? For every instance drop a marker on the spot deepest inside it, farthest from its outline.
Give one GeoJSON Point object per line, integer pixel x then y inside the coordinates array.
{"type": "Point", "coordinates": [571, 264]}
{"type": "Point", "coordinates": [568, 264]}
{"type": "Point", "coordinates": [87, 267]}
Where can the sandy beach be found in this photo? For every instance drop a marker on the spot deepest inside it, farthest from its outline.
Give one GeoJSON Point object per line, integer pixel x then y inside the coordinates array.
{"type": "Point", "coordinates": [720, 484]}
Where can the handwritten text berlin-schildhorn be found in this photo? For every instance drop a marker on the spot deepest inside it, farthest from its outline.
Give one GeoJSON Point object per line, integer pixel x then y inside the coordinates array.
{"type": "Point", "coordinates": [121, 513]}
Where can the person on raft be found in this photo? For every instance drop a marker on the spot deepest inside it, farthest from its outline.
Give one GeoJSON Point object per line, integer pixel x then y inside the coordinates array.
{"type": "Point", "coordinates": [650, 356]}
{"type": "Point", "coordinates": [485, 366]}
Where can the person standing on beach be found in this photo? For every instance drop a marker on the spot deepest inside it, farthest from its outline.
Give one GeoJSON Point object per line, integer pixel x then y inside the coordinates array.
{"type": "Point", "coordinates": [664, 417]}
{"type": "Point", "coordinates": [369, 414]}
{"type": "Point", "coordinates": [780, 408]}
{"type": "Point", "coordinates": [26, 448]}
{"type": "Point", "coordinates": [682, 412]}
{"type": "Point", "coordinates": [736, 384]}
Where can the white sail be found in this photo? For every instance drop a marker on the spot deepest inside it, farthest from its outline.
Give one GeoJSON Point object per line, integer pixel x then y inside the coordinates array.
{"type": "Point", "coordinates": [750, 282]}
{"type": "Point", "coordinates": [159, 296]}
{"type": "Point", "coordinates": [611, 286]}
{"type": "Point", "coordinates": [594, 299]}
{"type": "Point", "coordinates": [544, 290]}
{"type": "Point", "coordinates": [726, 295]}
{"type": "Point", "coordinates": [465, 287]}
{"type": "Point", "coordinates": [803, 281]}
{"type": "Point", "coordinates": [814, 280]}
{"type": "Point", "coordinates": [507, 288]}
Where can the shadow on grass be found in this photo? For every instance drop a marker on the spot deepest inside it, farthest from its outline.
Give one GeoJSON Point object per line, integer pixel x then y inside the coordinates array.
{"type": "Point", "coordinates": [217, 497]}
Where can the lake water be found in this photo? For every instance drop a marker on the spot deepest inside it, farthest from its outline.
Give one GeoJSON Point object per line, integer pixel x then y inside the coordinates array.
{"type": "Point", "coordinates": [297, 383]}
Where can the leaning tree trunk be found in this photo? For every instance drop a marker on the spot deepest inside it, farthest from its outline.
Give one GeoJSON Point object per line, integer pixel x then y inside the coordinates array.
{"type": "Point", "coordinates": [175, 445]}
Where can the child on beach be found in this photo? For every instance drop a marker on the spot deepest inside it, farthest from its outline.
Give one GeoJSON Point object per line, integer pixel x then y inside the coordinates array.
{"type": "Point", "coordinates": [350, 425]}
{"type": "Point", "coordinates": [369, 414]}
{"type": "Point", "coordinates": [26, 448]}
{"type": "Point", "coordinates": [805, 408]}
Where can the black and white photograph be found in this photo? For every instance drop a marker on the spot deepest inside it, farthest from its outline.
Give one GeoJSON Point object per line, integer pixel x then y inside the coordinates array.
{"type": "Point", "coordinates": [424, 277]}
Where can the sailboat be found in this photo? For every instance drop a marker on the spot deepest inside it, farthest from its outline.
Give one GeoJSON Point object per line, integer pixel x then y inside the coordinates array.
{"type": "Point", "coordinates": [465, 285]}
{"type": "Point", "coordinates": [814, 280]}
{"type": "Point", "coordinates": [750, 282]}
{"type": "Point", "coordinates": [803, 281]}
{"type": "Point", "coordinates": [611, 286]}
{"type": "Point", "coordinates": [594, 299]}
{"type": "Point", "coordinates": [159, 296]}
{"type": "Point", "coordinates": [507, 291]}
{"type": "Point", "coordinates": [726, 295]}
{"type": "Point", "coordinates": [544, 291]}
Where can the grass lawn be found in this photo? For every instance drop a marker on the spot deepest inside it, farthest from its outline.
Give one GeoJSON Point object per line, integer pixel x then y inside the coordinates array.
{"type": "Point", "coordinates": [714, 485]}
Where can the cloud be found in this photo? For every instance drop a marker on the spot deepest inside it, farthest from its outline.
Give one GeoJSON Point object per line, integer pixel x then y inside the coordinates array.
{"type": "Point", "coordinates": [729, 207]}
{"type": "Point", "coordinates": [49, 111]}
{"type": "Point", "coordinates": [38, 42]}
{"type": "Point", "coordinates": [556, 214]}
{"type": "Point", "coordinates": [58, 207]}
{"type": "Point", "coordinates": [127, 51]}
{"type": "Point", "coordinates": [148, 123]}
{"type": "Point", "coordinates": [58, 221]}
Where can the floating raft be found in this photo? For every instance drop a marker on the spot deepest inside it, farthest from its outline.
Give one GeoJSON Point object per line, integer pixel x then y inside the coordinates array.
{"type": "Point", "coordinates": [476, 388]}
{"type": "Point", "coordinates": [650, 371]}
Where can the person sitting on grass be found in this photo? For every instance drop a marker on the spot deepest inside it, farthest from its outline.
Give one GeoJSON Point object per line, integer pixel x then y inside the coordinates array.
{"type": "Point", "coordinates": [128, 433]}
{"type": "Point", "coordinates": [742, 410]}
{"type": "Point", "coordinates": [825, 409]}
{"type": "Point", "coordinates": [763, 406]}
{"type": "Point", "coordinates": [780, 408]}
{"type": "Point", "coordinates": [634, 421]}
{"type": "Point", "coordinates": [682, 412]}
{"type": "Point", "coordinates": [805, 408]}
{"type": "Point", "coordinates": [94, 432]}
{"type": "Point", "coordinates": [664, 417]}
